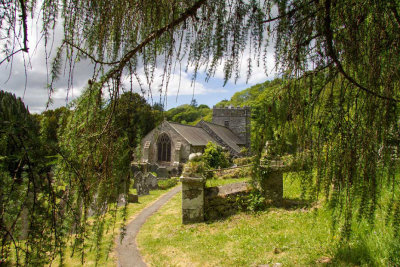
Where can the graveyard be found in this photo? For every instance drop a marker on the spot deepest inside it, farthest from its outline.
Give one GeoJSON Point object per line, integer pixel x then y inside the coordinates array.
{"type": "Point", "coordinates": [199, 133]}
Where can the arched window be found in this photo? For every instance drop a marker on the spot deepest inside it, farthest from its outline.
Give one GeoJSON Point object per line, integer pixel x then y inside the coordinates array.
{"type": "Point", "coordinates": [164, 148]}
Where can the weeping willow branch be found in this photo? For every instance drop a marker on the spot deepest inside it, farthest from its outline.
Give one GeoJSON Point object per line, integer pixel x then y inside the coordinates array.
{"type": "Point", "coordinates": [24, 25]}
{"type": "Point", "coordinates": [95, 60]}
{"type": "Point", "coordinates": [189, 12]}
{"type": "Point", "coordinates": [289, 13]}
{"type": "Point", "coordinates": [333, 55]}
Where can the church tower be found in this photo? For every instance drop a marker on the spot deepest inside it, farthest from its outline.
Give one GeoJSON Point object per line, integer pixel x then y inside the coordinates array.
{"type": "Point", "coordinates": [237, 119]}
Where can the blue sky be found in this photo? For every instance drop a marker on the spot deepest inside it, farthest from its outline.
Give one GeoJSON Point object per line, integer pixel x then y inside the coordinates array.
{"type": "Point", "coordinates": [27, 76]}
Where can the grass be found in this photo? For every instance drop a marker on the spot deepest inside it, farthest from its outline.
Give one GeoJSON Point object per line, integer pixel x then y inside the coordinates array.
{"type": "Point", "coordinates": [291, 236]}
{"type": "Point", "coordinates": [107, 244]}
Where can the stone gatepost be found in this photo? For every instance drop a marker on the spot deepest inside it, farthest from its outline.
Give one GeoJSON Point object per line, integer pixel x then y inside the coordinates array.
{"type": "Point", "coordinates": [272, 182]}
{"type": "Point", "coordinates": [192, 199]}
{"type": "Point", "coordinates": [272, 169]}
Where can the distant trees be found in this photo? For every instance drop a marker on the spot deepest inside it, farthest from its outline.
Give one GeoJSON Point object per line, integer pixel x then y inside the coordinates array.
{"type": "Point", "coordinates": [134, 117]}
{"type": "Point", "coordinates": [189, 114]}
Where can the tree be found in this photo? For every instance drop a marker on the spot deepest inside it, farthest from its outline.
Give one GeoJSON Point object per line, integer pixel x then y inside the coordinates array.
{"type": "Point", "coordinates": [194, 103]}
{"type": "Point", "coordinates": [29, 218]}
{"type": "Point", "coordinates": [339, 62]}
{"type": "Point", "coordinates": [134, 117]}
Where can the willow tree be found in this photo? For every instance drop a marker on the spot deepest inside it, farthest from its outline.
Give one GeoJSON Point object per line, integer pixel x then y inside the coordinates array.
{"type": "Point", "coordinates": [339, 60]}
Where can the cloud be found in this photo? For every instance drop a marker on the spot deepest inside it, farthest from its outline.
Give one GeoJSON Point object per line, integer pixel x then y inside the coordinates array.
{"type": "Point", "coordinates": [259, 73]}
{"type": "Point", "coordinates": [27, 76]}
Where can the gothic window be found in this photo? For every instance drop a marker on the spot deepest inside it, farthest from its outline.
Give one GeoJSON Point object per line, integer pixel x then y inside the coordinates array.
{"type": "Point", "coordinates": [226, 124]}
{"type": "Point", "coordinates": [164, 148]}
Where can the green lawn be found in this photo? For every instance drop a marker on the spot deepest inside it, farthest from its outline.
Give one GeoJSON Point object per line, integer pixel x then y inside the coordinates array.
{"type": "Point", "coordinates": [291, 236]}
{"type": "Point", "coordinates": [107, 245]}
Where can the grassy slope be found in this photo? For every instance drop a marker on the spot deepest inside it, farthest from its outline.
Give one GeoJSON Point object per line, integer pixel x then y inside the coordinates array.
{"type": "Point", "coordinates": [105, 250]}
{"type": "Point", "coordinates": [290, 237]}
{"type": "Point", "coordinates": [293, 237]}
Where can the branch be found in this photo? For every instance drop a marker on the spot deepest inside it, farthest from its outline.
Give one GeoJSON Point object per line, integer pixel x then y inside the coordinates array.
{"type": "Point", "coordinates": [24, 26]}
{"type": "Point", "coordinates": [333, 55]}
{"type": "Point", "coordinates": [155, 34]}
{"type": "Point", "coordinates": [289, 13]}
{"type": "Point", "coordinates": [88, 55]}
{"type": "Point", "coordinates": [11, 55]}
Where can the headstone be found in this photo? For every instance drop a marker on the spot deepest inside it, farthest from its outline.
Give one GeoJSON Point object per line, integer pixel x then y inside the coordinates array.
{"type": "Point", "coordinates": [162, 172]}
{"type": "Point", "coordinates": [121, 200]}
{"type": "Point", "coordinates": [152, 181]}
{"type": "Point", "coordinates": [132, 198]}
{"type": "Point", "coordinates": [141, 185]}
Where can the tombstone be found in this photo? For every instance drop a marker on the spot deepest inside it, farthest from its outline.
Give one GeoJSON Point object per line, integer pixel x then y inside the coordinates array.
{"type": "Point", "coordinates": [152, 181]}
{"type": "Point", "coordinates": [121, 200]}
{"type": "Point", "coordinates": [162, 172]}
{"type": "Point", "coordinates": [141, 185]}
{"type": "Point", "coordinates": [132, 198]}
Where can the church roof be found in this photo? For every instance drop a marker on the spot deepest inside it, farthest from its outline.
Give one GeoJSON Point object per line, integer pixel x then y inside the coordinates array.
{"type": "Point", "coordinates": [196, 136]}
{"type": "Point", "coordinates": [226, 135]}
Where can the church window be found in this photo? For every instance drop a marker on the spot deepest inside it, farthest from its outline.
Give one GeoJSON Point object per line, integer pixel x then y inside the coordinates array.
{"type": "Point", "coordinates": [164, 148]}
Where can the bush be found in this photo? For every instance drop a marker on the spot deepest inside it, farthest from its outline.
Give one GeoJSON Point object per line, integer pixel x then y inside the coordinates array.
{"type": "Point", "coordinates": [168, 183]}
{"type": "Point", "coordinates": [252, 202]}
{"type": "Point", "coordinates": [215, 157]}
{"type": "Point", "coordinates": [256, 201]}
{"type": "Point", "coordinates": [243, 161]}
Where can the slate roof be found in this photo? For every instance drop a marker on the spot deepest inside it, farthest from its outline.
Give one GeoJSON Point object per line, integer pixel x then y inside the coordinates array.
{"type": "Point", "coordinates": [196, 136]}
{"type": "Point", "coordinates": [226, 135]}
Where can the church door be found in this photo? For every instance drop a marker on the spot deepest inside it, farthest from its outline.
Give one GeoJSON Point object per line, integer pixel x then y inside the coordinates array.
{"type": "Point", "coordinates": [164, 148]}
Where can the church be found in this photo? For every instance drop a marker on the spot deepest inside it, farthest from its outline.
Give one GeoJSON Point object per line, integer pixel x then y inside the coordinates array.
{"type": "Point", "coordinates": [170, 144]}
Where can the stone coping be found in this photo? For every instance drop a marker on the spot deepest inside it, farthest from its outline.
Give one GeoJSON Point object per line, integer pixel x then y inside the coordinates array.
{"type": "Point", "coordinates": [193, 180]}
{"type": "Point", "coordinates": [228, 189]}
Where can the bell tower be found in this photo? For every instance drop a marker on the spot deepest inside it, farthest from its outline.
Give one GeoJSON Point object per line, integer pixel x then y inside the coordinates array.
{"type": "Point", "coordinates": [237, 119]}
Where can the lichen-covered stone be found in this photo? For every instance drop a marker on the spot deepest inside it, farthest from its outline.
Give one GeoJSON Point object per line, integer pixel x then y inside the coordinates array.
{"type": "Point", "coordinates": [272, 186]}
{"type": "Point", "coordinates": [192, 199]}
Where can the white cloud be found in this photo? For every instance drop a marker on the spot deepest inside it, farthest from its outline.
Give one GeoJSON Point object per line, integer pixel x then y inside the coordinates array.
{"type": "Point", "coordinates": [180, 83]}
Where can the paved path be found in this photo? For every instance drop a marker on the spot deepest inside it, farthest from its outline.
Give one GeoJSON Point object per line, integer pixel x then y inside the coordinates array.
{"type": "Point", "coordinates": [127, 251]}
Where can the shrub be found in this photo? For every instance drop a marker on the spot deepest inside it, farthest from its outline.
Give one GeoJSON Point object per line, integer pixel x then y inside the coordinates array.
{"type": "Point", "coordinates": [168, 183]}
{"type": "Point", "coordinates": [243, 161]}
{"type": "Point", "coordinates": [215, 157]}
{"type": "Point", "coordinates": [256, 201]}
{"type": "Point", "coordinates": [252, 202]}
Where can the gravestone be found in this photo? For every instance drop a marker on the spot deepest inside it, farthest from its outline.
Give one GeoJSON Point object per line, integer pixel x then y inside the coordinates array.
{"type": "Point", "coordinates": [152, 181]}
{"type": "Point", "coordinates": [141, 184]}
{"type": "Point", "coordinates": [162, 172]}
{"type": "Point", "coordinates": [132, 198]}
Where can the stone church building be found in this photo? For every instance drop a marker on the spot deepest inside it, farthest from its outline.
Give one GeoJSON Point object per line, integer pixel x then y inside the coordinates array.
{"type": "Point", "coordinates": [170, 143]}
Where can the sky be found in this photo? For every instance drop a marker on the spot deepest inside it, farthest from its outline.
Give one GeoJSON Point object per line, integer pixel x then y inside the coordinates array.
{"type": "Point", "coordinates": [27, 76]}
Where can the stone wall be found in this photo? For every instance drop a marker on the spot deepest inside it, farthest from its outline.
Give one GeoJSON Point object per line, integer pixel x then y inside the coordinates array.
{"type": "Point", "coordinates": [225, 200]}
{"type": "Point", "coordinates": [200, 203]}
{"type": "Point", "coordinates": [180, 148]}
